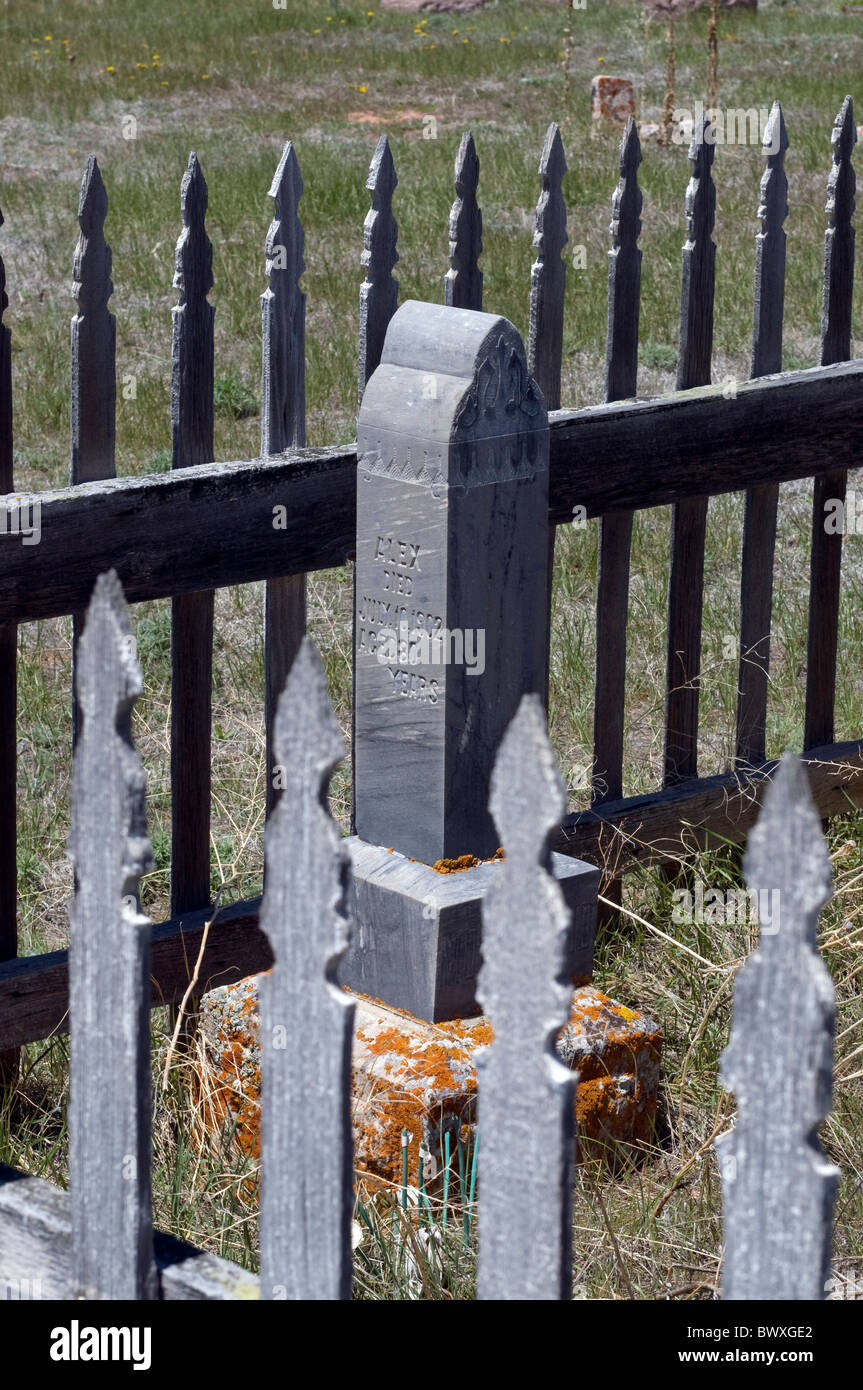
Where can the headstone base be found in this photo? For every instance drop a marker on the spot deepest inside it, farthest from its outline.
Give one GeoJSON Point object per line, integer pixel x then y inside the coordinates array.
{"type": "Point", "coordinates": [421, 1077]}
{"type": "Point", "coordinates": [417, 932]}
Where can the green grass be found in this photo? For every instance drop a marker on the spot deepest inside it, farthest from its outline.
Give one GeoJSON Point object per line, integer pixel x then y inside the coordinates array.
{"type": "Point", "coordinates": [234, 81]}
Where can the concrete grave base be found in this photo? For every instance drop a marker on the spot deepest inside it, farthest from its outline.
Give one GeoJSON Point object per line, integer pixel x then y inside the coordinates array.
{"type": "Point", "coordinates": [417, 933]}
{"type": "Point", "coordinates": [421, 1077]}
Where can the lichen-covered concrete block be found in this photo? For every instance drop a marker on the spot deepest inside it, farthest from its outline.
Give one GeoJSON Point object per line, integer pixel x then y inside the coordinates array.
{"type": "Point", "coordinates": [408, 1074]}
{"type": "Point", "coordinates": [611, 98]}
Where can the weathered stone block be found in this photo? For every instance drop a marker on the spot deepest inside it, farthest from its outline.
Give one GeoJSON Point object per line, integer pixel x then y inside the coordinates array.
{"type": "Point", "coordinates": [417, 935]}
{"type": "Point", "coordinates": [611, 98]}
{"type": "Point", "coordinates": [421, 1077]}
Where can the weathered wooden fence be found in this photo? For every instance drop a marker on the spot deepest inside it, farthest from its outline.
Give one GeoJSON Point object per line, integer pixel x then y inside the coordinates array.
{"type": "Point", "coordinates": [610, 460]}
{"type": "Point", "coordinates": [97, 1240]}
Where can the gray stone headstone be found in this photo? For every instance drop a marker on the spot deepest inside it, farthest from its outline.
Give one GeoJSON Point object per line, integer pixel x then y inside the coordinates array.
{"type": "Point", "coordinates": [451, 615]}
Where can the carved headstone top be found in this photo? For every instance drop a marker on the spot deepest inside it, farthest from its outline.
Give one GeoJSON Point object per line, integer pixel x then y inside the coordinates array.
{"type": "Point", "coordinates": [451, 578]}
{"type": "Point", "coordinates": [460, 377]}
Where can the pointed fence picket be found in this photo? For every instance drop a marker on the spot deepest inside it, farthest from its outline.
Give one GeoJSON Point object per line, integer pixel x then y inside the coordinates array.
{"type": "Point", "coordinates": [306, 1142]}
{"type": "Point", "coordinates": [760, 508]}
{"type": "Point", "coordinates": [547, 295]}
{"type": "Point", "coordinates": [527, 1126]}
{"type": "Point", "coordinates": [463, 280]}
{"type": "Point", "coordinates": [778, 1187]}
{"type": "Point", "coordinates": [614, 541]}
{"type": "Point", "coordinates": [689, 518]}
{"type": "Point", "coordinates": [283, 421]}
{"type": "Point", "coordinates": [826, 555]}
{"type": "Point", "coordinates": [93, 387]}
{"type": "Point", "coordinates": [8, 701]}
{"type": "Point", "coordinates": [109, 969]}
{"type": "Point", "coordinates": [379, 292]}
{"type": "Point", "coordinates": [191, 614]}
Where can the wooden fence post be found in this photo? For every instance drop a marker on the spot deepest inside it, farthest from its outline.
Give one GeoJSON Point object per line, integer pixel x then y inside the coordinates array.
{"type": "Point", "coordinates": [826, 555]}
{"type": "Point", "coordinates": [306, 1020]}
{"type": "Point", "coordinates": [8, 702]}
{"type": "Point", "coordinates": [191, 614]}
{"type": "Point", "coordinates": [379, 300]}
{"type": "Point", "coordinates": [93, 400]}
{"type": "Point", "coordinates": [778, 1188]}
{"type": "Point", "coordinates": [283, 419]}
{"type": "Point", "coordinates": [109, 969]}
{"type": "Point", "coordinates": [526, 1095]}
{"type": "Point", "coordinates": [547, 295]}
{"type": "Point", "coordinates": [615, 530]}
{"type": "Point", "coordinates": [463, 280]}
{"type": "Point", "coordinates": [759, 519]}
{"type": "Point", "coordinates": [689, 518]}
{"type": "Point", "coordinates": [379, 292]}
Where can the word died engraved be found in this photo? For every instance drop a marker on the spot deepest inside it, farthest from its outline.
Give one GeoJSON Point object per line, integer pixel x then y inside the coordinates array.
{"type": "Point", "coordinates": [398, 558]}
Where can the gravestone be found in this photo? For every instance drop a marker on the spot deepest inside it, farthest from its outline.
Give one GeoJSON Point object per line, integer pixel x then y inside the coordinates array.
{"type": "Point", "coordinates": [451, 621]}
{"type": "Point", "coordinates": [451, 630]}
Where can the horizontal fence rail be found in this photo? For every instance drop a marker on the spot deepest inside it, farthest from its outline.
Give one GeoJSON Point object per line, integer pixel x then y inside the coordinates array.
{"type": "Point", "coordinates": [687, 444]}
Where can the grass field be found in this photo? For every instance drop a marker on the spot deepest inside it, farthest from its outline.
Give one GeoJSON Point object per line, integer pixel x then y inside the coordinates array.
{"type": "Point", "coordinates": [233, 82]}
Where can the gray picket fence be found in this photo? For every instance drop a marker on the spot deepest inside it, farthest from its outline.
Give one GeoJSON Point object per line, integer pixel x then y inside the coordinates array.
{"type": "Point", "coordinates": [607, 461]}
{"type": "Point", "coordinates": [96, 1241]}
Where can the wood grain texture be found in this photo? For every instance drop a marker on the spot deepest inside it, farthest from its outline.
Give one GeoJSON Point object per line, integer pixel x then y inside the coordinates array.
{"type": "Point", "coordinates": [191, 614]}
{"type": "Point", "coordinates": [463, 280]}
{"type": "Point", "coordinates": [379, 299]}
{"type": "Point", "coordinates": [615, 532]}
{"type": "Point", "coordinates": [548, 273]}
{"type": "Point", "coordinates": [826, 551]}
{"type": "Point", "coordinates": [794, 426]}
{"type": "Point", "coordinates": [306, 1020]}
{"type": "Point", "coordinates": [760, 505]}
{"type": "Point", "coordinates": [547, 296]}
{"type": "Point", "coordinates": [379, 292]}
{"type": "Point", "coordinates": [283, 419]}
{"type": "Point", "coordinates": [93, 336]}
{"type": "Point", "coordinates": [526, 1095]}
{"type": "Point", "coordinates": [689, 518]}
{"type": "Point", "coordinates": [704, 813]}
{"type": "Point", "coordinates": [36, 1243]}
{"type": "Point", "coordinates": [8, 696]}
{"type": "Point", "coordinates": [93, 378]}
{"type": "Point", "coordinates": [109, 969]}
{"type": "Point", "coordinates": [778, 1188]}
{"type": "Point", "coordinates": [34, 990]}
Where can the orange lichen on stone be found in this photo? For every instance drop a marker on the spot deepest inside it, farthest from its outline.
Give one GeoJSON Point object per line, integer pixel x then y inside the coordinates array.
{"type": "Point", "coordinates": [611, 98]}
{"type": "Point", "coordinates": [421, 1077]}
{"type": "Point", "coordinates": [464, 862]}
